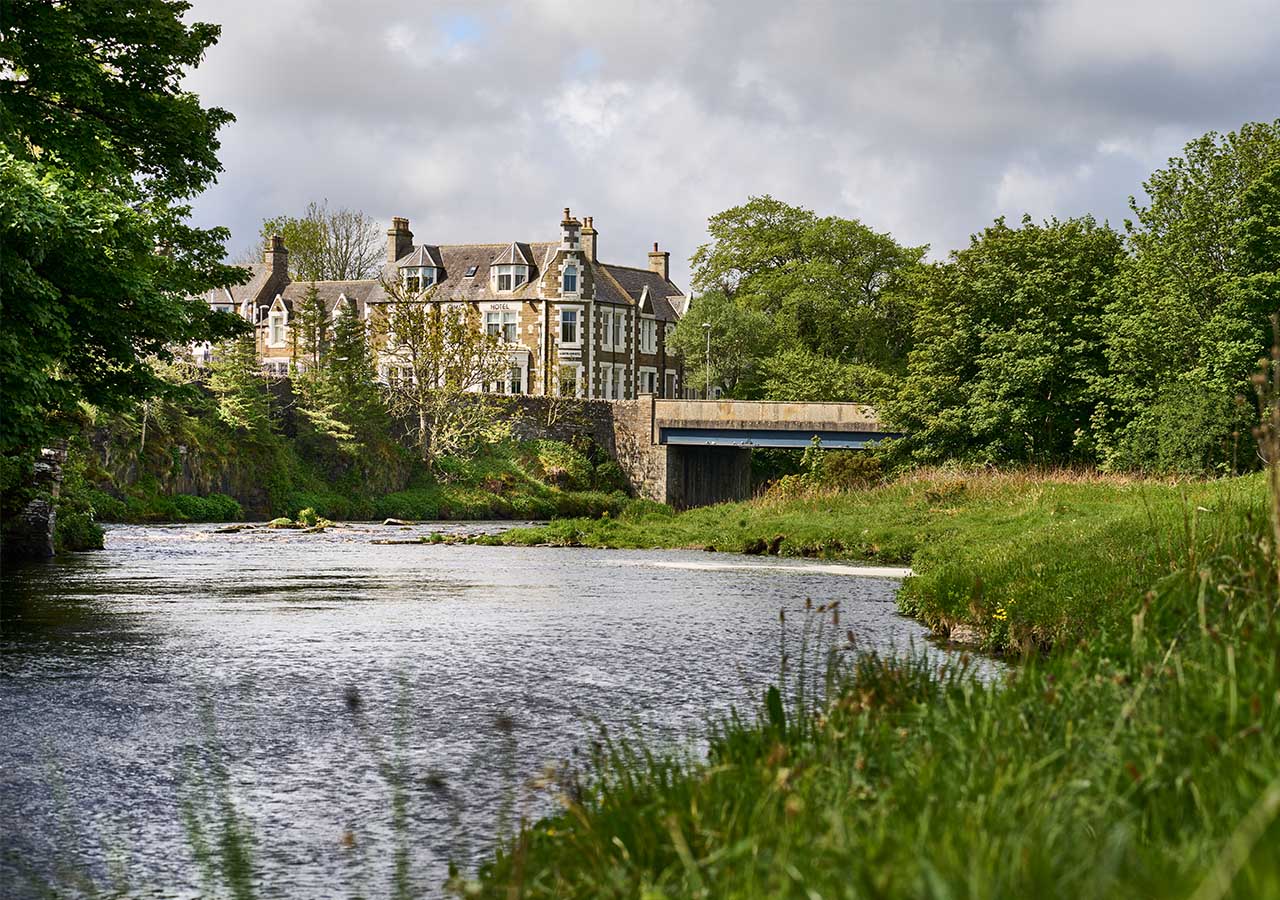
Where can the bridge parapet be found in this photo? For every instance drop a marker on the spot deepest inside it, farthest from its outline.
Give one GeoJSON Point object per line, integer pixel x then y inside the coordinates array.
{"type": "Point", "coordinates": [752, 415]}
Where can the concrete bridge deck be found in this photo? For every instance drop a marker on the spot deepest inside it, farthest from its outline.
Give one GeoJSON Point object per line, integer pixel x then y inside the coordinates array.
{"type": "Point", "coordinates": [697, 452]}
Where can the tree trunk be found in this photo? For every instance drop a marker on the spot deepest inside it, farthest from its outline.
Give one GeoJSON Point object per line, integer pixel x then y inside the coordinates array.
{"type": "Point", "coordinates": [423, 442]}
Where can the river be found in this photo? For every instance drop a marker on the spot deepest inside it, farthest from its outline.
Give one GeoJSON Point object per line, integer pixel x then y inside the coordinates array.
{"type": "Point", "coordinates": [314, 670]}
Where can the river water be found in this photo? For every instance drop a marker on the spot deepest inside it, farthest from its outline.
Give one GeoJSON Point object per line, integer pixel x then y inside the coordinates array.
{"type": "Point", "coordinates": [307, 674]}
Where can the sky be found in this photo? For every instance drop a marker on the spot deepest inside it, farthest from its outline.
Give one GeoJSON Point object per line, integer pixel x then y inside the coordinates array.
{"type": "Point", "coordinates": [480, 121]}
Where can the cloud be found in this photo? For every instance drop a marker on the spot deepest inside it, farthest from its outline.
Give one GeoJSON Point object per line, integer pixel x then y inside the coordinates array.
{"type": "Point", "coordinates": [481, 120]}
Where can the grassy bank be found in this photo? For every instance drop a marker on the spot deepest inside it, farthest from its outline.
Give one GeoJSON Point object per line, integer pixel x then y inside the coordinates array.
{"type": "Point", "coordinates": [509, 480]}
{"type": "Point", "coordinates": [1026, 559]}
{"type": "Point", "coordinates": [1140, 758]}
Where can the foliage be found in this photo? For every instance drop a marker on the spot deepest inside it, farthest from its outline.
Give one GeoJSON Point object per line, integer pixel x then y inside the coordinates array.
{"type": "Point", "coordinates": [802, 375]}
{"type": "Point", "coordinates": [328, 244]}
{"type": "Point", "coordinates": [779, 278]}
{"type": "Point", "coordinates": [236, 382]}
{"type": "Point", "coordinates": [1009, 345]}
{"type": "Point", "coordinates": [1189, 310]}
{"type": "Point", "coordinates": [1138, 759]}
{"type": "Point", "coordinates": [99, 149]}
{"type": "Point", "coordinates": [741, 338]}
{"type": "Point", "coordinates": [438, 358]}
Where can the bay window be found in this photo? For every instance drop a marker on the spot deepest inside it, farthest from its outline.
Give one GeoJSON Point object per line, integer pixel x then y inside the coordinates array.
{"type": "Point", "coordinates": [508, 278]}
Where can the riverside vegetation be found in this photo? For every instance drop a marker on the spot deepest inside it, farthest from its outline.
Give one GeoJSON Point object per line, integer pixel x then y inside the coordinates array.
{"type": "Point", "coordinates": [1134, 750]}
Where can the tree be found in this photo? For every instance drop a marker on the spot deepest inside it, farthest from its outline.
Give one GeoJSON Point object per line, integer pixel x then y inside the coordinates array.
{"type": "Point", "coordinates": [1008, 343]}
{"type": "Point", "coordinates": [801, 375]}
{"type": "Point", "coordinates": [826, 285]}
{"type": "Point", "coordinates": [328, 244]}
{"type": "Point", "coordinates": [1185, 325]}
{"type": "Point", "coordinates": [99, 150]}
{"type": "Point", "coordinates": [236, 381]}
{"type": "Point", "coordinates": [438, 356]}
{"type": "Point", "coordinates": [741, 338]}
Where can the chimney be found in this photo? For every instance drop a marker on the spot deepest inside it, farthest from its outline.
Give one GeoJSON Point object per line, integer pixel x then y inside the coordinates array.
{"type": "Point", "coordinates": [660, 262]}
{"type": "Point", "coordinates": [399, 239]}
{"type": "Point", "coordinates": [589, 239]}
{"type": "Point", "coordinates": [569, 229]}
{"type": "Point", "coordinates": [277, 256]}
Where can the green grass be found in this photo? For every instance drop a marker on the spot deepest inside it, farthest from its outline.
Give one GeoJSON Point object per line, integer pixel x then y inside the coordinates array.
{"type": "Point", "coordinates": [1139, 758]}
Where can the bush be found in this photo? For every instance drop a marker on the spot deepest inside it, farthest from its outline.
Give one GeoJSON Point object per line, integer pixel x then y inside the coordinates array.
{"type": "Point", "coordinates": [610, 477]}
{"type": "Point", "coordinates": [850, 469]}
{"type": "Point", "coordinates": [564, 467]}
{"type": "Point", "coordinates": [76, 530]}
{"type": "Point", "coordinates": [213, 508]}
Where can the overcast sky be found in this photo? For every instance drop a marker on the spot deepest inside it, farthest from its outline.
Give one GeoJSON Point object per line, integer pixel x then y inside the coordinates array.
{"type": "Point", "coordinates": [480, 121]}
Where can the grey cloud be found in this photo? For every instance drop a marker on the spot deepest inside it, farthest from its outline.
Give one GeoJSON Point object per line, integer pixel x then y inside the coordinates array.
{"type": "Point", "coordinates": [481, 120]}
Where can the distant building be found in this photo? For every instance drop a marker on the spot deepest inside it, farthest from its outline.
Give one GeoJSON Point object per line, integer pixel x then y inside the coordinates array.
{"type": "Point", "coordinates": [571, 325]}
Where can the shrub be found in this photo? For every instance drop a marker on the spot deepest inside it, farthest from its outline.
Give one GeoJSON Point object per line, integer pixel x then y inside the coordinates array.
{"type": "Point", "coordinates": [610, 477]}
{"type": "Point", "coordinates": [564, 467]}
{"type": "Point", "coordinates": [850, 469]}
{"type": "Point", "coordinates": [76, 530]}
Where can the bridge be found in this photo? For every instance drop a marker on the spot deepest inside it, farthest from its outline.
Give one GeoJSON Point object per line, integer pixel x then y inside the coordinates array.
{"type": "Point", "coordinates": [697, 452]}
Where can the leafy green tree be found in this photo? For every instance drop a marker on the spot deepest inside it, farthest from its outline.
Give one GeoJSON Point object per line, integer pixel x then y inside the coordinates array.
{"type": "Point", "coordinates": [328, 244]}
{"type": "Point", "coordinates": [351, 371]}
{"type": "Point", "coordinates": [236, 381]}
{"type": "Point", "coordinates": [100, 148]}
{"type": "Point", "coordinates": [1008, 344]}
{"type": "Point", "coordinates": [1188, 317]}
{"type": "Point", "coordinates": [741, 339]}
{"type": "Point", "coordinates": [830, 286]}
{"type": "Point", "coordinates": [801, 375]}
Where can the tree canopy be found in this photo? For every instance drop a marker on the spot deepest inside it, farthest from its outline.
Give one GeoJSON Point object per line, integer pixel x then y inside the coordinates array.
{"type": "Point", "coordinates": [100, 148]}
{"type": "Point", "coordinates": [328, 244]}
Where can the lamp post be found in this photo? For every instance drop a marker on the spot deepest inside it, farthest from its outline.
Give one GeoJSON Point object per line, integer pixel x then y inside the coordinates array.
{"type": "Point", "coordinates": [706, 329]}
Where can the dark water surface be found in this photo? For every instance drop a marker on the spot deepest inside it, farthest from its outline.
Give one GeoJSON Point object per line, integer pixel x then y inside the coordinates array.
{"type": "Point", "coordinates": [128, 676]}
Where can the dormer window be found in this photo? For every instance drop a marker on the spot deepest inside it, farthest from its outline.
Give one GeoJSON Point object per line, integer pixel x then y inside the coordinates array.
{"type": "Point", "coordinates": [418, 278]}
{"type": "Point", "coordinates": [508, 278]}
{"type": "Point", "coordinates": [571, 279]}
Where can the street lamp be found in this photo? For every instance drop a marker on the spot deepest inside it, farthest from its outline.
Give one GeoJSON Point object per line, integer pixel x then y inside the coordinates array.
{"type": "Point", "coordinates": [706, 329]}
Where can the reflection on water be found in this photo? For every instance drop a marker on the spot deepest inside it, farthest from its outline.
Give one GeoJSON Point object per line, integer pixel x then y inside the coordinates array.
{"type": "Point", "coordinates": [500, 660]}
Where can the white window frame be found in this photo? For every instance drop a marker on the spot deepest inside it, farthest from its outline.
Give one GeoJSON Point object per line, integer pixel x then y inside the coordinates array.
{"type": "Point", "coordinates": [570, 269]}
{"type": "Point", "coordinates": [648, 334]}
{"type": "Point", "coordinates": [620, 330]}
{"type": "Point", "coordinates": [674, 376]}
{"type": "Point", "coordinates": [579, 327]}
{"type": "Point", "coordinates": [426, 276]}
{"type": "Point", "coordinates": [577, 369]}
{"type": "Point", "coordinates": [276, 320]}
{"type": "Point", "coordinates": [606, 329]}
{"type": "Point", "coordinates": [517, 272]}
{"type": "Point", "coordinates": [641, 380]}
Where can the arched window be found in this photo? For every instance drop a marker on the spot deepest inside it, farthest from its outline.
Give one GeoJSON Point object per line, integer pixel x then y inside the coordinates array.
{"type": "Point", "coordinates": [570, 279]}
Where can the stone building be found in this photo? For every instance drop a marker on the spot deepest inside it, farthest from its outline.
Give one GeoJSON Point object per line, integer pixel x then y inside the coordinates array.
{"type": "Point", "coordinates": [569, 323]}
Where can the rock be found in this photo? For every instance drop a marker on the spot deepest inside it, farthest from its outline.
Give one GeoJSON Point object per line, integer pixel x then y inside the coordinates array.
{"type": "Point", "coordinates": [965, 634]}
{"type": "Point", "coordinates": [230, 529]}
{"type": "Point", "coordinates": [314, 529]}
{"type": "Point", "coordinates": [282, 522]}
{"type": "Point", "coordinates": [397, 522]}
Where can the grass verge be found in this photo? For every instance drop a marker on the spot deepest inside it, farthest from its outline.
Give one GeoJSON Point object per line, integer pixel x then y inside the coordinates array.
{"type": "Point", "coordinates": [1141, 757]}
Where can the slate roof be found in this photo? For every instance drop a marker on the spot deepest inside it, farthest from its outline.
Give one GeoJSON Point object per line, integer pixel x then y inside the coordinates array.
{"type": "Point", "coordinates": [619, 285]}
{"type": "Point", "coordinates": [359, 292]}
{"type": "Point", "coordinates": [634, 281]}
{"type": "Point", "coordinates": [424, 255]}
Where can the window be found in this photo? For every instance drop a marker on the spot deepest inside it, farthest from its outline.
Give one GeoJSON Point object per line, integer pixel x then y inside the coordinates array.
{"type": "Point", "coordinates": [276, 334]}
{"type": "Point", "coordinates": [648, 336]}
{"type": "Point", "coordinates": [571, 279]}
{"type": "Point", "coordinates": [492, 324]}
{"type": "Point", "coordinates": [648, 381]}
{"type": "Point", "coordinates": [568, 326]}
{"type": "Point", "coordinates": [617, 383]}
{"type": "Point", "coordinates": [569, 381]}
{"type": "Point", "coordinates": [515, 380]}
{"type": "Point", "coordinates": [418, 278]}
{"type": "Point", "coordinates": [471, 271]}
{"type": "Point", "coordinates": [606, 329]}
{"type": "Point", "coordinates": [510, 327]}
{"type": "Point", "coordinates": [669, 389]}
{"type": "Point", "coordinates": [508, 278]}
{"type": "Point", "coordinates": [617, 330]}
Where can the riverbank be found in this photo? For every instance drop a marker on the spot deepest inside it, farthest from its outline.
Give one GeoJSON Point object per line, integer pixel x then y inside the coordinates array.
{"type": "Point", "coordinates": [1140, 757]}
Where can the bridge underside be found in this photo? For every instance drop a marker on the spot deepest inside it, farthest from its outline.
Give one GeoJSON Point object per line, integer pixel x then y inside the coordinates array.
{"type": "Point", "coordinates": [713, 465]}
{"type": "Point", "coordinates": [768, 437]}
